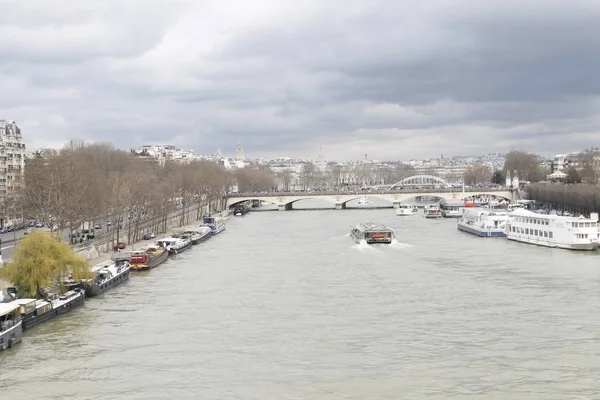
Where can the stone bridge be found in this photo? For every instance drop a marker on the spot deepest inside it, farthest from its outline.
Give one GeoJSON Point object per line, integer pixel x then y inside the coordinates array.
{"type": "Point", "coordinates": [285, 200]}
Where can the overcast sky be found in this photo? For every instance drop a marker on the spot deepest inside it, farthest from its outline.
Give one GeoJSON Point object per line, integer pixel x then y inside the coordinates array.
{"type": "Point", "coordinates": [394, 79]}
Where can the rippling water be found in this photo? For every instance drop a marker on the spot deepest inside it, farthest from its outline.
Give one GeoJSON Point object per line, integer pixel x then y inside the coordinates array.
{"type": "Point", "coordinates": [283, 305]}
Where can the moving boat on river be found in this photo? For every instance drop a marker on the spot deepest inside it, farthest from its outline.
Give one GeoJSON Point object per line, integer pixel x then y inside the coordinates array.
{"type": "Point", "coordinates": [370, 232]}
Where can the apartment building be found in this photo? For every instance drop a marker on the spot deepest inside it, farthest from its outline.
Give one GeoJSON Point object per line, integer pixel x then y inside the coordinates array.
{"type": "Point", "coordinates": [12, 165]}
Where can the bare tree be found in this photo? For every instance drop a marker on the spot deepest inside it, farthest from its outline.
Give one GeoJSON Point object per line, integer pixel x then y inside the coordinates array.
{"type": "Point", "coordinates": [477, 174]}
{"type": "Point", "coordinates": [307, 175]}
{"type": "Point", "coordinates": [284, 180]}
{"type": "Point", "coordinates": [526, 166]}
{"type": "Point", "coordinates": [588, 159]}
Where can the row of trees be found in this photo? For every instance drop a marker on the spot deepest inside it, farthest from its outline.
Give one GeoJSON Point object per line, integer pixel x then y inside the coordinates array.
{"type": "Point", "coordinates": [582, 196]}
{"type": "Point", "coordinates": [334, 176]}
{"type": "Point", "coordinates": [86, 182]}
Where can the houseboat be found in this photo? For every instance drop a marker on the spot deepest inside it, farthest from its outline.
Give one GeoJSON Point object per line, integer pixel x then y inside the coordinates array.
{"type": "Point", "coordinates": [148, 257]}
{"type": "Point", "coordinates": [372, 233]}
{"type": "Point", "coordinates": [215, 224]}
{"type": "Point", "coordinates": [108, 277]}
{"type": "Point", "coordinates": [573, 233]}
{"type": "Point", "coordinates": [175, 245]}
{"type": "Point", "coordinates": [406, 209]}
{"type": "Point", "coordinates": [483, 222]}
{"type": "Point", "coordinates": [198, 235]}
{"type": "Point", "coordinates": [11, 329]}
{"type": "Point", "coordinates": [37, 311]}
{"type": "Point", "coordinates": [451, 208]}
{"type": "Point", "coordinates": [432, 211]}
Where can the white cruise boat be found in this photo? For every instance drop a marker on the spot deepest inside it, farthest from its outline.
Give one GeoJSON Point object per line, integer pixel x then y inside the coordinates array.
{"type": "Point", "coordinates": [406, 209]}
{"type": "Point", "coordinates": [432, 211]}
{"type": "Point", "coordinates": [175, 245]}
{"type": "Point", "coordinates": [573, 233]}
{"type": "Point", "coordinates": [483, 222]}
{"type": "Point", "coordinates": [372, 233]}
{"type": "Point", "coordinates": [452, 208]}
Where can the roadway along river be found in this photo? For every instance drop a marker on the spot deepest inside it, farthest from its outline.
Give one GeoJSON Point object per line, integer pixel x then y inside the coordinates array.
{"type": "Point", "coordinates": [282, 305]}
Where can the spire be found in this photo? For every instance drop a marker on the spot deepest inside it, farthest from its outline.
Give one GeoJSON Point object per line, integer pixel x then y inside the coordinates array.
{"type": "Point", "coordinates": [239, 152]}
{"type": "Point", "coordinates": [321, 157]}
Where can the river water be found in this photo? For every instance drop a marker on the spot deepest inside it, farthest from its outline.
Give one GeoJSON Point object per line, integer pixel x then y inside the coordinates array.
{"type": "Point", "coordinates": [283, 305]}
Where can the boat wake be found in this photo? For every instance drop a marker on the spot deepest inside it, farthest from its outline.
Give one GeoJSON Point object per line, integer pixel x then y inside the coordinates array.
{"type": "Point", "coordinates": [364, 247]}
{"type": "Point", "coordinates": [397, 245]}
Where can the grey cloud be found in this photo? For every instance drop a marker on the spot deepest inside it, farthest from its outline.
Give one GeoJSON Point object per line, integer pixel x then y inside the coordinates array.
{"type": "Point", "coordinates": [394, 79]}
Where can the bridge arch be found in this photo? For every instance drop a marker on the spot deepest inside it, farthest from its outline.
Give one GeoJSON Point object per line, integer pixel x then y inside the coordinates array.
{"type": "Point", "coordinates": [420, 180]}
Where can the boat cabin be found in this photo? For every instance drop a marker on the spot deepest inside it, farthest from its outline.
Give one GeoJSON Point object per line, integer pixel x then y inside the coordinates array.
{"type": "Point", "coordinates": [10, 315]}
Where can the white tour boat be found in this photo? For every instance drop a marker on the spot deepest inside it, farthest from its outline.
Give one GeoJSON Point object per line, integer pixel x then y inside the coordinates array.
{"type": "Point", "coordinates": [452, 208]}
{"type": "Point", "coordinates": [432, 211]}
{"type": "Point", "coordinates": [573, 233]}
{"type": "Point", "coordinates": [483, 222]}
{"type": "Point", "coordinates": [372, 233]}
{"type": "Point", "coordinates": [406, 209]}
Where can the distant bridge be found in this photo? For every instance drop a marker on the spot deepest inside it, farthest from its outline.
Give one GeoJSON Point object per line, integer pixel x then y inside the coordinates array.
{"type": "Point", "coordinates": [285, 200]}
{"type": "Point", "coordinates": [419, 181]}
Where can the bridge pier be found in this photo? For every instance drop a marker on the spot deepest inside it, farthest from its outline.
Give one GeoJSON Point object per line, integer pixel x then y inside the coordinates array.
{"type": "Point", "coordinates": [340, 206]}
{"type": "Point", "coordinates": [396, 204]}
{"type": "Point", "coordinates": [285, 207]}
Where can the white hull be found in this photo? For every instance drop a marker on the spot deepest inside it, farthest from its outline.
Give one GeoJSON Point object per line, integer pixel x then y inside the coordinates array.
{"type": "Point", "coordinates": [546, 243]}
{"type": "Point", "coordinates": [404, 213]}
{"type": "Point", "coordinates": [571, 233]}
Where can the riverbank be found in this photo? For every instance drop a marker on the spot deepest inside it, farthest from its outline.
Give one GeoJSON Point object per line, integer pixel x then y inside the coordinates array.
{"type": "Point", "coordinates": [98, 255]}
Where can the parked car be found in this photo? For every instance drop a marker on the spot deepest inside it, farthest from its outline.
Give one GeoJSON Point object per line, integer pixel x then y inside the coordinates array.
{"type": "Point", "coordinates": [119, 246]}
{"type": "Point", "coordinates": [149, 236]}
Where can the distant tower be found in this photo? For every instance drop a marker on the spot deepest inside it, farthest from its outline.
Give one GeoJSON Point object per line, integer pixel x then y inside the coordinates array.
{"type": "Point", "coordinates": [508, 179]}
{"type": "Point", "coordinates": [321, 159]}
{"type": "Point", "coordinates": [239, 152]}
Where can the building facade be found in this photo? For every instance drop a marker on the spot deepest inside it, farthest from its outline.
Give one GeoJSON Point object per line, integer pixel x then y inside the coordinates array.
{"type": "Point", "coordinates": [12, 166]}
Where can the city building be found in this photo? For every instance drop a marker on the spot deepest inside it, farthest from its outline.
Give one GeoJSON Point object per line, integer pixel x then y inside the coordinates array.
{"type": "Point", "coordinates": [12, 166]}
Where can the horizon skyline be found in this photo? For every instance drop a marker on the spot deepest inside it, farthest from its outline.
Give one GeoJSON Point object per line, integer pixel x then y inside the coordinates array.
{"type": "Point", "coordinates": [395, 79]}
{"type": "Point", "coordinates": [232, 153]}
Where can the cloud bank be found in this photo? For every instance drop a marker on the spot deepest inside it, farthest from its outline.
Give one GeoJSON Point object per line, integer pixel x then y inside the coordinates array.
{"type": "Point", "coordinates": [390, 78]}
